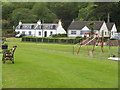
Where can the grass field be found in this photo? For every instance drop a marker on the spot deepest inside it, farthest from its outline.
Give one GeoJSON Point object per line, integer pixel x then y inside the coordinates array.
{"type": "Point", "coordinates": [40, 65]}
{"type": "Point", "coordinates": [0, 71]}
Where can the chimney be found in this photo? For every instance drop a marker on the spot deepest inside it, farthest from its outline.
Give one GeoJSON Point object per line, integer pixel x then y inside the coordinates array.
{"type": "Point", "coordinates": [59, 23]}
{"type": "Point", "coordinates": [39, 22]}
{"type": "Point", "coordinates": [108, 18]}
{"type": "Point", "coordinates": [73, 20]}
{"type": "Point", "coordinates": [20, 23]}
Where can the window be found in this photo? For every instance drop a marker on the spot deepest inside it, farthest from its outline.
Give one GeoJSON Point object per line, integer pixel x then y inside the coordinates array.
{"type": "Point", "coordinates": [32, 27]}
{"type": "Point", "coordinates": [23, 32]}
{"type": "Point", "coordinates": [73, 32]}
{"type": "Point", "coordinates": [29, 32]}
{"type": "Point", "coordinates": [112, 32]}
{"type": "Point", "coordinates": [84, 31]}
{"type": "Point", "coordinates": [54, 27]}
{"type": "Point", "coordinates": [41, 26]}
{"type": "Point", "coordinates": [39, 33]}
{"type": "Point", "coordinates": [21, 26]}
{"type": "Point", "coordinates": [105, 33]}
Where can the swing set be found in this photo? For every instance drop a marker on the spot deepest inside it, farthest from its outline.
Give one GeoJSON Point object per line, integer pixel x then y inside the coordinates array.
{"type": "Point", "coordinates": [95, 41]}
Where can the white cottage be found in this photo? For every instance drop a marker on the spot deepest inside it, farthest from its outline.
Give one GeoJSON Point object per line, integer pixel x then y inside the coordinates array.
{"type": "Point", "coordinates": [40, 29]}
{"type": "Point", "coordinates": [112, 29]}
{"type": "Point", "coordinates": [78, 28]}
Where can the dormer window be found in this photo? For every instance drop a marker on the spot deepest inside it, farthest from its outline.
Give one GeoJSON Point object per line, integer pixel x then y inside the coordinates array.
{"type": "Point", "coordinates": [53, 27]}
{"type": "Point", "coordinates": [32, 27]}
{"type": "Point", "coordinates": [41, 26]}
{"type": "Point", "coordinates": [21, 26]}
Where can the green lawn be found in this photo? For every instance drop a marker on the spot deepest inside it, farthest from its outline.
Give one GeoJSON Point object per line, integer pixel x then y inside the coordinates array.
{"type": "Point", "coordinates": [40, 65]}
{"type": "Point", "coordinates": [0, 71]}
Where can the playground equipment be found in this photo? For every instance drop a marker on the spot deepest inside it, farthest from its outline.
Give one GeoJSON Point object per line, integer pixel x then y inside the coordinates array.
{"type": "Point", "coordinates": [95, 41]}
{"type": "Point", "coordinates": [9, 55]}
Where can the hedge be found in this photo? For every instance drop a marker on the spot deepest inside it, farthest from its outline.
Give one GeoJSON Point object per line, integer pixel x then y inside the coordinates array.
{"type": "Point", "coordinates": [59, 35]}
{"type": "Point", "coordinates": [50, 40]}
{"type": "Point", "coordinates": [54, 40]}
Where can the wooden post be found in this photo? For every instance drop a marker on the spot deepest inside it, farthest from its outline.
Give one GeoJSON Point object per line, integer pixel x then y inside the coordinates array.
{"type": "Point", "coordinates": [79, 49]}
{"type": "Point", "coordinates": [73, 50]}
{"type": "Point", "coordinates": [102, 41]}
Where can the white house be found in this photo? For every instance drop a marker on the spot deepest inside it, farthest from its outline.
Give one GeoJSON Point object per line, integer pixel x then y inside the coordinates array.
{"type": "Point", "coordinates": [78, 28]}
{"type": "Point", "coordinates": [40, 29]}
{"type": "Point", "coordinates": [112, 28]}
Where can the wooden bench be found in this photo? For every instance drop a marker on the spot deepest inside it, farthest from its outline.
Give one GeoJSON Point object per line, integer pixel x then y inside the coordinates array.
{"type": "Point", "coordinates": [8, 55]}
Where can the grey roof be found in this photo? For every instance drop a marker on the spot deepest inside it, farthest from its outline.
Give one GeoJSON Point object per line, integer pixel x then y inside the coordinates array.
{"type": "Point", "coordinates": [110, 25]}
{"type": "Point", "coordinates": [36, 26]}
{"type": "Point", "coordinates": [78, 25]}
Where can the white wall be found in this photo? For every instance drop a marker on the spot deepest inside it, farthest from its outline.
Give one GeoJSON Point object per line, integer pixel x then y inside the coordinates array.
{"type": "Point", "coordinates": [85, 28]}
{"type": "Point", "coordinates": [74, 35]}
{"type": "Point", "coordinates": [26, 31]}
{"type": "Point", "coordinates": [60, 29]}
{"type": "Point", "coordinates": [48, 32]}
{"type": "Point", "coordinates": [36, 32]}
{"type": "Point", "coordinates": [105, 29]}
{"type": "Point", "coordinates": [78, 32]}
{"type": "Point", "coordinates": [113, 31]}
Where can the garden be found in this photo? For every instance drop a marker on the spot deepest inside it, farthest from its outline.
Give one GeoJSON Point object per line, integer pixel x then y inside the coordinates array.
{"type": "Point", "coordinates": [51, 65]}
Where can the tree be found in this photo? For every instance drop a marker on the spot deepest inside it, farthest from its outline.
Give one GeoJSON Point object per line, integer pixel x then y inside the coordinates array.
{"type": "Point", "coordinates": [66, 11]}
{"type": "Point", "coordinates": [28, 5]}
{"type": "Point", "coordinates": [26, 15]}
{"type": "Point", "coordinates": [5, 24]}
{"type": "Point", "coordinates": [43, 13]}
{"type": "Point", "coordinates": [85, 13]}
{"type": "Point", "coordinates": [91, 26]}
{"type": "Point", "coordinates": [7, 9]}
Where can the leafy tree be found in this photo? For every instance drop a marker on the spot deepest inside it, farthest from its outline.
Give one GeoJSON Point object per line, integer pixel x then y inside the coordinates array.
{"type": "Point", "coordinates": [102, 9]}
{"type": "Point", "coordinates": [26, 15]}
{"type": "Point", "coordinates": [5, 24]}
{"type": "Point", "coordinates": [66, 11]}
{"type": "Point", "coordinates": [91, 26]}
{"type": "Point", "coordinates": [114, 16]}
{"type": "Point", "coordinates": [7, 9]}
{"type": "Point", "coordinates": [85, 12]}
{"type": "Point", "coordinates": [43, 13]}
{"type": "Point", "coordinates": [28, 5]}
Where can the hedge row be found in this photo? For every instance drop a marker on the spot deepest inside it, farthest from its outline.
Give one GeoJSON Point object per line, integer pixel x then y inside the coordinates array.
{"type": "Point", "coordinates": [51, 40]}
{"type": "Point", "coordinates": [54, 40]}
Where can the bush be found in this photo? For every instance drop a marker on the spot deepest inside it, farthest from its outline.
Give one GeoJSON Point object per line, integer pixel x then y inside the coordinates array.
{"type": "Point", "coordinates": [78, 37]}
{"type": "Point", "coordinates": [50, 40]}
{"type": "Point", "coordinates": [59, 35]}
{"type": "Point", "coordinates": [113, 39]}
{"type": "Point", "coordinates": [3, 38]}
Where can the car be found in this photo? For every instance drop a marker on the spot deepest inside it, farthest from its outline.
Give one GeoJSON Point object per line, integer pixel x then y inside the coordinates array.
{"type": "Point", "coordinates": [20, 35]}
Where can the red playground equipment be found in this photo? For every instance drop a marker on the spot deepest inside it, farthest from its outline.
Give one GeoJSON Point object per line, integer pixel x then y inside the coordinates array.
{"type": "Point", "coordinates": [96, 40]}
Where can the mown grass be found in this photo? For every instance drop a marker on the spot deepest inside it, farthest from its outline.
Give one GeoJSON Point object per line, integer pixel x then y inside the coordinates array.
{"type": "Point", "coordinates": [40, 65]}
{"type": "Point", "coordinates": [0, 71]}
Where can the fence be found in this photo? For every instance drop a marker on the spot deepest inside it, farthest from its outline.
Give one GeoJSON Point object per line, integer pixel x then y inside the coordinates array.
{"type": "Point", "coordinates": [7, 36]}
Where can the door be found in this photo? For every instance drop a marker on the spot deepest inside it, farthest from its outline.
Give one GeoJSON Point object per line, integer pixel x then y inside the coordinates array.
{"type": "Point", "coordinates": [45, 34]}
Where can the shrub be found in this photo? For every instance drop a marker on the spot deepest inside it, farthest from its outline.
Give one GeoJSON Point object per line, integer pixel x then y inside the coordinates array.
{"type": "Point", "coordinates": [59, 35]}
{"type": "Point", "coordinates": [3, 38]}
{"type": "Point", "coordinates": [50, 40]}
{"type": "Point", "coordinates": [113, 39]}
